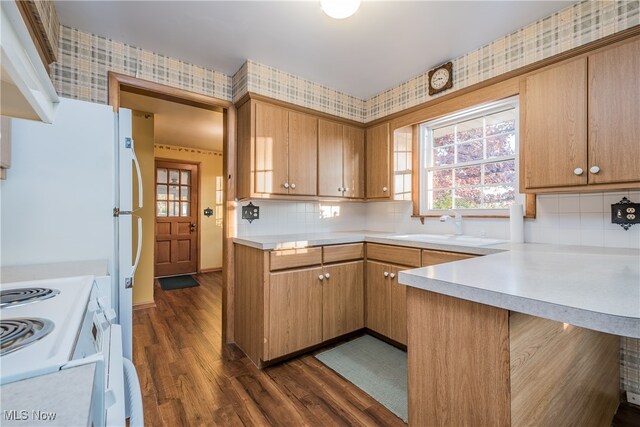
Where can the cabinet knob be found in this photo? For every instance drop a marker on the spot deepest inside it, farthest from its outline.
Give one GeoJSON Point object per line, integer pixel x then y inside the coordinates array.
{"type": "Point", "coordinates": [578, 171]}
{"type": "Point", "coordinates": [594, 169]}
{"type": "Point", "coordinates": [386, 274]}
{"type": "Point", "coordinates": [392, 275]}
{"type": "Point", "coordinates": [346, 189]}
{"type": "Point", "coordinates": [327, 275]}
{"type": "Point", "coordinates": [286, 185]}
{"type": "Point", "coordinates": [340, 189]}
{"type": "Point", "coordinates": [384, 189]}
{"type": "Point", "coordinates": [321, 277]}
{"type": "Point", "coordinates": [293, 186]}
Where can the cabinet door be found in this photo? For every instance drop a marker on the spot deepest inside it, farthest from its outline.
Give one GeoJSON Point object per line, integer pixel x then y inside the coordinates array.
{"type": "Point", "coordinates": [343, 299]}
{"type": "Point", "coordinates": [614, 114]}
{"type": "Point", "coordinates": [378, 296]}
{"type": "Point", "coordinates": [272, 151]}
{"type": "Point", "coordinates": [377, 151]}
{"type": "Point", "coordinates": [329, 159]}
{"type": "Point", "coordinates": [430, 257]}
{"type": "Point", "coordinates": [303, 154]}
{"type": "Point", "coordinates": [398, 312]}
{"type": "Point", "coordinates": [353, 155]}
{"type": "Point", "coordinates": [553, 126]}
{"type": "Point", "coordinates": [295, 311]}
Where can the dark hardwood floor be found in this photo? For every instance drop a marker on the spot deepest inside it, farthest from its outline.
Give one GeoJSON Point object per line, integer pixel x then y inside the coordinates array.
{"type": "Point", "coordinates": [189, 377]}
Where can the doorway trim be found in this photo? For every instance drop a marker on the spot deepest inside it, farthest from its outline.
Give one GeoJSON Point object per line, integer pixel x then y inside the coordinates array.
{"type": "Point", "coordinates": [121, 82]}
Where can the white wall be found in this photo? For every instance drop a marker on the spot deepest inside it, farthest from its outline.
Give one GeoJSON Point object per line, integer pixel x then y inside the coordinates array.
{"type": "Point", "coordinates": [569, 219]}
{"type": "Point", "coordinates": [285, 217]}
{"type": "Point", "coordinates": [57, 200]}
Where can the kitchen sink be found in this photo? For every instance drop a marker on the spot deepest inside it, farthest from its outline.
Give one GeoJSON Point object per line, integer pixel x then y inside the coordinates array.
{"type": "Point", "coordinates": [449, 239]}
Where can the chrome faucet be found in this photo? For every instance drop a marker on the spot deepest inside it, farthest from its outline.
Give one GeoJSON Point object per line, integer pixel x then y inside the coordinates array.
{"type": "Point", "coordinates": [457, 219]}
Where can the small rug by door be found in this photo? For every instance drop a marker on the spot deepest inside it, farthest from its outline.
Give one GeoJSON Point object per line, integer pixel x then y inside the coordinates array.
{"type": "Point", "coordinates": [177, 282]}
{"type": "Point", "coordinates": [377, 368]}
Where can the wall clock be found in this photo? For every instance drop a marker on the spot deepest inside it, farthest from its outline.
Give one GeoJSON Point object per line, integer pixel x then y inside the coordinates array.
{"type": "Point", "coordinates": [441, 78]}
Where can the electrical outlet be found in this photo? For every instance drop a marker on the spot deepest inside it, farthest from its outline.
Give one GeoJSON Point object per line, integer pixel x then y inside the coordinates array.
{"type": "Point", "coordinates": [250, 212]}
{"type": "Point", "coordinates": [633, 398]}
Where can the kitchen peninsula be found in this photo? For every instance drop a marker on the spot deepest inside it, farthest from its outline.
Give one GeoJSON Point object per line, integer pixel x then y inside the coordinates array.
{"type": "Point", "coordinates": [529, 336]}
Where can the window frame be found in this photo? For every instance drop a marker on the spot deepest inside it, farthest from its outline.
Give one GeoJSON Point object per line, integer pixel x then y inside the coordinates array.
{"type": "Point", "coordinates": [424, 130]}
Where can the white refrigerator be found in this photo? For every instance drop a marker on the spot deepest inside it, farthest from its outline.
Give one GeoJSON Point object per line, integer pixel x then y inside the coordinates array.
{"type": "Point", "coordinates": [68, 196]}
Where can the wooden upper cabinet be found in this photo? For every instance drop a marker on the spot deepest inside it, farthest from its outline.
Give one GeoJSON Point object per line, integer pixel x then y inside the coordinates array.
{"type": "Point", "coordinates": [353, 162]}
{"type": "Point", "coordinates": [378, 152]}
{"type": "Point", "coordinates": [553, 126]}
{"type": "Point", "coordinates": [272, 149]}
{"type": "Point", "coordinates": [330, 159]}
{"type": "Point", "coordinates": [614, 114]}
{"type": "Point", "coordinates": [340, 160]}
{"type": "Point", "coordinates": [303, 154]}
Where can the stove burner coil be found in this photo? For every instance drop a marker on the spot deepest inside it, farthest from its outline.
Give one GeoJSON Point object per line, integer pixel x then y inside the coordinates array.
{"type": "Point", "coordinates": [16, 297]}
{"type": "Point", "coordinates": [20, 332]}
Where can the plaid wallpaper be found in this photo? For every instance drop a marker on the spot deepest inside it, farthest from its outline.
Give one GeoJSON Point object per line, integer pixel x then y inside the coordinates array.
{"type": "Point", "coordinates": [84, 60]}
{"type": "Point", "coordinates": [271, 82]}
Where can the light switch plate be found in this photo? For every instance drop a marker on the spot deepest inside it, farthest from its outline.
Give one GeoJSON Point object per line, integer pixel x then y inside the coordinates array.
{"type": "Point", "coordinates": [250, 212]}
{"type": "Point", "coordinates": [633, 398]}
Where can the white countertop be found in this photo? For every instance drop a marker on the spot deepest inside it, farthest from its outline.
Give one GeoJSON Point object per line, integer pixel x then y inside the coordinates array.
{"type": "Point", "coordinates": [66, 394]}
{"type": "Point", "coordinates": [290, 241]}
{"type": "Point", "coordinates": [22, 273]}
{"type": "Point", "coordinates": [595, 288]}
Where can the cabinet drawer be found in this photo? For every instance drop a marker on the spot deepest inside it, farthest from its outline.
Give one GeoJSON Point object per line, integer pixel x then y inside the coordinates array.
{"type": "Point", "coordinates": [430, 257]}
{"type": "Point", "coordinates": [292, 258]}
{"type": "Point", "coordinates": [339, 253]}
{"type": "Point", "coordinates": [394, 254]}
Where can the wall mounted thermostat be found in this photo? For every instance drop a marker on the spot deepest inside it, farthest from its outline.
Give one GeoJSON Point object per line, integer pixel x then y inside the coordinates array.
{"type": "Point", "coordinates": [250, 212]}
{"type": "Point", "coordinates": [625, 213]}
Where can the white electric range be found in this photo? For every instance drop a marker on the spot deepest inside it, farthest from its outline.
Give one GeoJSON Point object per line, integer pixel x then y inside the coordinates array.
{"type": "Point", "coordinates": [55, 324]}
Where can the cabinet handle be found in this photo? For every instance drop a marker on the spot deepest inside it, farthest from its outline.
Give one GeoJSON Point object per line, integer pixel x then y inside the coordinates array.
{"type": "Point", "coordinates": [293, 186]}
{"type": "Point", "coordinates": [286, 185]}
{"type": "Point", "coordinates": [384, 189]}
{"type": "Point", "coordinates": [321, 277]}
{"type": "Point", "coordinates": [327, 275]}
{"type": "Point", "coordinates": [386, 274]}
{"type": "Point", "coordinates": [594, 169]}
{"type": "Point", "coordinates": [578, 171]}
{"type": "Point", "coordinates": [392, 275]}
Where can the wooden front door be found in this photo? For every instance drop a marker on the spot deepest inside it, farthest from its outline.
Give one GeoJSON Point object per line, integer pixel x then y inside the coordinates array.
{"type": "Point", "coordinates": [176, 248]}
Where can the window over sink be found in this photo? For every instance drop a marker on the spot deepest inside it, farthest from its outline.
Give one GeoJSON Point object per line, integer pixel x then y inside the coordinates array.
{"type": "Point", "coordinates": [469, 160]}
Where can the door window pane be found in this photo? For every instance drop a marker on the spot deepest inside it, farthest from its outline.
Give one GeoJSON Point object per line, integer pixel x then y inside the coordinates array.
{"type": "Point", "coordinates": [185, 192]}
{"type": "Point", "coordinates": [174, 176]}
{"type": "Point", "coordinates": [161, 209]}
{"type": "Point", "coordinates": [174, 192]}
{"type": "Point", "coordinates": [161, 192]}
{"type": "Point", "coordinates": [185, 177]}
{"type": "Point", "coordinates": [173, 209]}
{"type": "Point", "coordinates": [185, 209]}
{"type": "Point", "coordinates": [162, 175]}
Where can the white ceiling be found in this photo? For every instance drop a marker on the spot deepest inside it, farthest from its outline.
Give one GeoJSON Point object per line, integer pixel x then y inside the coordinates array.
{"type": "Point", "coordinates": [382, 45]}
{"type": "Point", "coordinates": [179, 124]}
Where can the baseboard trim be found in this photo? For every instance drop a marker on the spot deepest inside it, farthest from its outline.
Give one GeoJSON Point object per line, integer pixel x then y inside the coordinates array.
{"type": "Point", "coordinates": [143, 305]}
{"type": "Point", "coordinates": [211, 270]}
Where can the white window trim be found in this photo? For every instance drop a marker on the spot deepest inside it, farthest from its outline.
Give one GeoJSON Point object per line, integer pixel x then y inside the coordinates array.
{"type": "Point", "coordinates": [469, 113]}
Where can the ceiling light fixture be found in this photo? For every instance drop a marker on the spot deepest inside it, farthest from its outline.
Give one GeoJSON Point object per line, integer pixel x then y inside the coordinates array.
{"type": "Point", "coordinates": [340, 9]}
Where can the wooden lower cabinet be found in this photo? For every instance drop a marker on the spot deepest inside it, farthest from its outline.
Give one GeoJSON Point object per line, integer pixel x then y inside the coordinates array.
{"type": "Point", "coordinates": [386, 301]}
{"type": "Point", "coordinates": [295, 311]}
{"type": "Point", "coordinates": [398, 312]}
{"type": "Point", "coordinates": [342, 299]}
{"type": "Point", "coordinates": [378, 297]}
{"type": "Point", "coordinates": [474, 364]}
